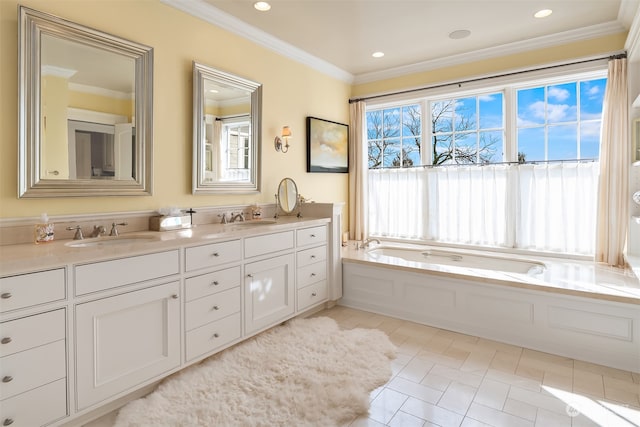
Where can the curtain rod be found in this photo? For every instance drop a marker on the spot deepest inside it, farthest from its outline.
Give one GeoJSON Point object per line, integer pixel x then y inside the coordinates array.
{"type": "Point", "coordinates": [447, 165]}
{"type": "Point", "coordinates": [479, 79]}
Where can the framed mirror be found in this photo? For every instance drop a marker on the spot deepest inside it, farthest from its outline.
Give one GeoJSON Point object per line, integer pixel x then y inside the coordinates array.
{"type": "Point", "coordinates": [287, 195]}
{"type": "Point", "coordinates": [85, 110]}
{"type": "Point", "coordinates": [226, 131]}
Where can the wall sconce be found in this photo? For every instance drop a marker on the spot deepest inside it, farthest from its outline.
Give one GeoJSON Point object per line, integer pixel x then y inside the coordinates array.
{"type": "Point", "coordinates": [286, 134]}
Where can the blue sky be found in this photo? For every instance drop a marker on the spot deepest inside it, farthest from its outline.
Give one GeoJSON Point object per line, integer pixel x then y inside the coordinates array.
{"type": "Point", "coordinates": [547, 122]}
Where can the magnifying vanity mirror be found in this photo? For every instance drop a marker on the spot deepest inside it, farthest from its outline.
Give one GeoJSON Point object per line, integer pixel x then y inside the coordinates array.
{"type": "Point", "coordinates": [287, 196]}
{"type": "Point", "coordinates": [85, 110]}
{"type": "Point", "coordinates": [226, 130]}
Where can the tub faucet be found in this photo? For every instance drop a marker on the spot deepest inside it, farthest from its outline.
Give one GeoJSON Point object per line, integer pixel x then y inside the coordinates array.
{"type": "Point", "coordinates": [366, 242]}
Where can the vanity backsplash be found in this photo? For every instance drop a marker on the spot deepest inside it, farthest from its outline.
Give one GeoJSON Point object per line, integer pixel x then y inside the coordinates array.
{"type": "Point", "coordinates": [14, 231]}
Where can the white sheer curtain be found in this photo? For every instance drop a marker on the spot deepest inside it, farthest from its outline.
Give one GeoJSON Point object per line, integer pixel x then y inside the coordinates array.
{"type": "Point", "coordinates": [357, 172]}
{"type": "Point", "coordinates": [547, 207]}
{"type": "Point", "coordinates": [613, 196]}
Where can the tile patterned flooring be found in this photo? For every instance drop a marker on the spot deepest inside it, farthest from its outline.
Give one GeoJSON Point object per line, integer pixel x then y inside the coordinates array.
{"type": "Point", "coordinates": [443, 378]}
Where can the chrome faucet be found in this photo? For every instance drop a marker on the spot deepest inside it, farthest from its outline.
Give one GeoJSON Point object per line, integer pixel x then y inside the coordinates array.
{"type": "Point", "coordinates": [238, 216]}
{"type": "Point", "coordinates": [366, 242]}
{"type": "Point", "coordinates": [98, 230]}
{"type": "Point", "coordinates": [114, 230]}
{"type": "Point", "coordinates": [78, 235]}
{"type": "Point", "coordinates": [224, 218]}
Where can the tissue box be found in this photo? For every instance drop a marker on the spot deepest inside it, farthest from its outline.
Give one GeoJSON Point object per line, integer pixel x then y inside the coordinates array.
{"type": "Point", "coordinates": [169, 222]}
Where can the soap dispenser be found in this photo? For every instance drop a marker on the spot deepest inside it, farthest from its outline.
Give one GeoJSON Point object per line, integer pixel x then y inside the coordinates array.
{"type": "Point", "coordinates": [43, 230]}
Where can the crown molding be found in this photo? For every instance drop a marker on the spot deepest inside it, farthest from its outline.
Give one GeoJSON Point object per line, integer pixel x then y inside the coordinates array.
{"type": "Point", "coordinates": [551, 40]}
{"type": "Point", "coordinates": [632, 44]}
{"type": "Point", "coordinates": [205, 11]}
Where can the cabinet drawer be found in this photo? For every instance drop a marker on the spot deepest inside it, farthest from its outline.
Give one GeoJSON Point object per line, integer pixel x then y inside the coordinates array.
{"type": "Point", "coordinates": [311, 235]}
{"type": "Point", "coordinates": [207, 284]}
{"type": "Point", "coordinates": [33, 331]}
{"type": "Point", "coordinates": [212, 307]}
{"type": "Point", "coordinates": [36, 407]}
{"type": "Point", "coordinates": [268, 244]}
{"type": "Point", "coordinates": [212, 255]}
{"type": "Point", "coordinates": [312, 295]}
{"type": "Point", "coordinates": [213, 335]}
{"type": "Point", "coordinates": [32, 368]}
{"type": "Point", "coordinates": [311, 273]}
{"type": "Point", "coordinates": [309, 256]}
{"type": "Point", "coordinates": [104, 275]}
{"type": "Point", "coordinates": [31, 289]}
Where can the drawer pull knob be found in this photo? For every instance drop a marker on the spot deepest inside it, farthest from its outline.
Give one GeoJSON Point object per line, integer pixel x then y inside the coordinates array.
{"type": "Point", "coordinates": [216, 254]}
{"type": "Point", "coordinates": [7, 421]}
{"type": "Point", "coordinates": [6, 340]}
{"type": "Point", "coordinates": [215, 307]}
{"type": "Point", "coordinates": [313, 274]}
{"type": "Point", "coordinates": [6, 295]}
{"type": "Point", "coordinates": [249, 275]}
{"type": "Point", "coordinates": [174, 296]}
{"type": "Point", "coordinates": [215, 283]}
{"type": "Point", "coordinates": [216, 335]}
{"type": "Point", "coordinates": [313, 235]}
{"type": "Point", "coordinates": [313, 257]}
{"type": "Point", "coordinates": [313, 294]}
{"type": "Point", "coordinates": [7, 379]}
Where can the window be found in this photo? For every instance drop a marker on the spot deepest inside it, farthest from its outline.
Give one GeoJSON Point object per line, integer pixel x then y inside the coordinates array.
{"type": "Point", "coordinates": [508, 167]}
{"type": "Point", "coordinates": [560, 121]}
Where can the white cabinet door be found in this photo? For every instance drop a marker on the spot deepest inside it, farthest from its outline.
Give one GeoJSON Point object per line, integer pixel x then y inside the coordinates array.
{"type": "Point", "coordinates": [269, 292]}
{"type": "Point", "coordinates": [125, 340]}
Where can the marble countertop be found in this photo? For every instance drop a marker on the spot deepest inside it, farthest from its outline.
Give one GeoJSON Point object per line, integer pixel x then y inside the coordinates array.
{"type": "Point", "coordinates": [562, 276]}
{"type": "Point", "coordinates": [31, 257]}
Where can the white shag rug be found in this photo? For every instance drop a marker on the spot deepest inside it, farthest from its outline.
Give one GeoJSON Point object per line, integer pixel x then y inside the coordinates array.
{"type": "Point", "coordinates": [307, 372]}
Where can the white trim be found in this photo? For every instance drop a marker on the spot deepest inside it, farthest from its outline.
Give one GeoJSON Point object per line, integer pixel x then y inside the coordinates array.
{"type": "Point", "coordinates": [565, 37]}
{"type": "Point", "coordinates": [203, 10]}
{"type": "Point", "coordinates": [632, 44]}
{"type": "Point", "coordinates": [95, 116]}
{"type": "Point", "coordinates": [76, 87]}
{"type": "Point", "coordinates": [52, 70]}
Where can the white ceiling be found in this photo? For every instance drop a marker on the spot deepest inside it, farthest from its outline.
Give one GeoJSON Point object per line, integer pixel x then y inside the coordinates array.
{"type": "Point", "coordinates": [339, 36]}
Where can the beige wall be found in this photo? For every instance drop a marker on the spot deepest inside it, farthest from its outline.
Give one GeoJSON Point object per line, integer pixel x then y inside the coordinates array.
{"type": "Point", "coordinates": [291, 92]}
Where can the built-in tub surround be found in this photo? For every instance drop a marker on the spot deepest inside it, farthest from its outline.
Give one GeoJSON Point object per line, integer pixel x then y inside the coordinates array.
{"type": "Point", "coordinates": [571, 308]}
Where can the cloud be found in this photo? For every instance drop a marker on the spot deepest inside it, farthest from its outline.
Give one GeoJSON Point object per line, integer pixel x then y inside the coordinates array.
{"type": "Point", "coordinates": [554, 112]}
{"type": "Point", "coordinates": [558, 94]}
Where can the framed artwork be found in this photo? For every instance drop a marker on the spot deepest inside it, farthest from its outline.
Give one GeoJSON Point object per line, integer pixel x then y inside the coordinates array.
{"type": "Point", "coordinates": [327, 146]}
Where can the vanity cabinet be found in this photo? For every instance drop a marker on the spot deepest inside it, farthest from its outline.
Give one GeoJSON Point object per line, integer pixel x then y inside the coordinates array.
{"type": "Point", "coordinates": [212, 311]}
{"type": "Point", "coordinates": [136, 317]}
{"type": "Point", "coordinates": [311, 273]}
{"type": "Point", "coordinates": [33, 349]}
{"type": "Point", "coordinates": [125, 340]}
{"type": "Point", "coordinates": [269, 292]}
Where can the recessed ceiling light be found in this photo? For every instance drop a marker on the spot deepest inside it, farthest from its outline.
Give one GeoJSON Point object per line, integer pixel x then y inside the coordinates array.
{"type": "Point", "coordinates": [459, 34]}
{"type": "Point", "coordinates": [262, 6]}
{"type": "Point", "coordinates": [543, 13]}
{"type": "Point", "coordinates": [377, 54]}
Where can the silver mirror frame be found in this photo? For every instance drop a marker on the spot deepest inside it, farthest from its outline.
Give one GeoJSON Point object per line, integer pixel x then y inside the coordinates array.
{"type": "Point", "coordinates": [200, 73]}
{"type": "Point", "coordinates": [284, 184]}
{"type": "Point", "coordinates": [31, 25]}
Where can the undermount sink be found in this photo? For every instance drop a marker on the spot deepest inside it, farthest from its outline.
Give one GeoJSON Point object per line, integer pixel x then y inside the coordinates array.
{"type": "Point", "coordinates": [110, 241]}
{"type": "Point", "coordinates": [253, 222]}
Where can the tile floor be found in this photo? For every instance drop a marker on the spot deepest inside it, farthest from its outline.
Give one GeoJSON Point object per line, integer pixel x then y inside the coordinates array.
{"type": "Point", "coordinates": [443, 378]}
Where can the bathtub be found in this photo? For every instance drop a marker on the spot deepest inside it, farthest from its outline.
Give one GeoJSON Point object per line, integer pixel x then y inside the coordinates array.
{"type": "Point", "coordinates": [570, 308]}
{"type": "Point", "coordinates": [456, 258]}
